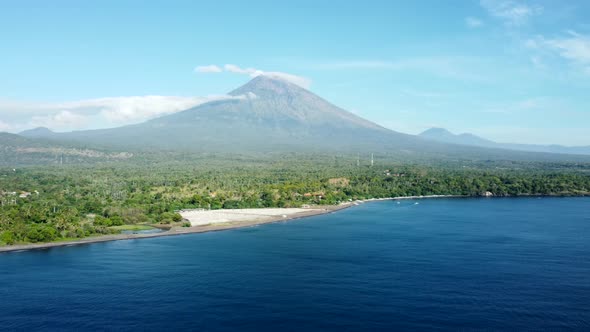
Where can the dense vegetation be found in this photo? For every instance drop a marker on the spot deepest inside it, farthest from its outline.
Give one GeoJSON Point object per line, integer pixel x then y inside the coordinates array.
{"type": "Point", "coordinates": [75, 201]}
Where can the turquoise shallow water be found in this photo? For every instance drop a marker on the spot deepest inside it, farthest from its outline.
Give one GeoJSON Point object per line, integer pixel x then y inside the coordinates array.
{"type": "Point", "coordinates": [442, 264]}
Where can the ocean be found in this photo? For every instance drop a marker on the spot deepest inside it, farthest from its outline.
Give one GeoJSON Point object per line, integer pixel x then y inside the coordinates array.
{"type": "Point", "coordinates": [434, 264]}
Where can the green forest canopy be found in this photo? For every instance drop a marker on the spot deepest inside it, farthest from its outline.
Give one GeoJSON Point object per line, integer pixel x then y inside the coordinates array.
{"type": "Point", "coordinates": [76, 201]}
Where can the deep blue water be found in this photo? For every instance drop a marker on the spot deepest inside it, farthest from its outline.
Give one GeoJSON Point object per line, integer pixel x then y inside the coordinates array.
{"type": "Point", "coordinates": [445, 264]}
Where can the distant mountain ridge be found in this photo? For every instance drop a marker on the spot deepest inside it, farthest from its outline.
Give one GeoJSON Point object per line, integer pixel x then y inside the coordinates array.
{"type": "Point", "coordinates": [37, 132]}
{"type": "Point", "coordinates": [443, 135]}
{"type": "Point", "coordinates": [269, 114]}
{"type": "Point", "coordinates": [265, 114]}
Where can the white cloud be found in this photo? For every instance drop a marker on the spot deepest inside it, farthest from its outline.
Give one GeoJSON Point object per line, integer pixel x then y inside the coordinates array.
{"type": "Point", "coordinates": [208, 69]}
{"type": "Point", "coordinates": [132, 109]}
{"type": "Point", "coordinates": [574, 48]}
{"type": "Point", "coordinates": [60, 121]}
{"type": "Point", "coordinates": [95, 113]}
{"type": "Point", "coordinates": [473, 22]}
{"type": "Point", "coordinates": [511, 12]}
{"type": "Point", "coordinates": [5, 126]}
{"type": "Point", "coordinates": [298, 80]}
{"type": "Point", "coordinates": [253, 72]}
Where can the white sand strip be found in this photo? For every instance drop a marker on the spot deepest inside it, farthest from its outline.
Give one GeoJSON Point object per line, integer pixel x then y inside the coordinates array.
{"type": "Point", "coordinates": [206, 217]}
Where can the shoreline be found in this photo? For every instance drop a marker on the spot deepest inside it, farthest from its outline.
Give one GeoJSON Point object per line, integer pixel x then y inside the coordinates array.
{"type": "Point", "coordinates": [316, 211]}
{"type": "Point", "coordinates": [414, 197]}
{"type": "Point", "coordinates": [215, 227]}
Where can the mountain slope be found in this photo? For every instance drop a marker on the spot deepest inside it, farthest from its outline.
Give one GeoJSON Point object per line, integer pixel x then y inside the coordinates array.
{"type": "Point", "coordinates": [39, 132]}
{"type": "Point", "coordinates": [443, 135]}
{"type": "Point", "coordinates": [268, 113]}
{"type": "Point", "coordinates": [265, 114]}
{"type": "Point", "coordinates": [272, 115]}
{"type": "Point", "coordinates": [18, 150]}
{"type": "Point", "coordinates": [280, 99]}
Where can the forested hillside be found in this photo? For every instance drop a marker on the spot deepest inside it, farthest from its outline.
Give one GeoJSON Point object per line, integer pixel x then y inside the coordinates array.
{"type": "Point", "coordinates": [17, 151]}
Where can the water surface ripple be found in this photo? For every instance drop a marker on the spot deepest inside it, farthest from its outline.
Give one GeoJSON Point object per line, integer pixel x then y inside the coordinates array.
{"type": "Point", "coordinates": [444, 264]}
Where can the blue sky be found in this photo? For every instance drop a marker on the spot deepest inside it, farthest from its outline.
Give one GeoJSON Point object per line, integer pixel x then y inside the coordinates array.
{"type": "Point", "coordinates": [515, 71]}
